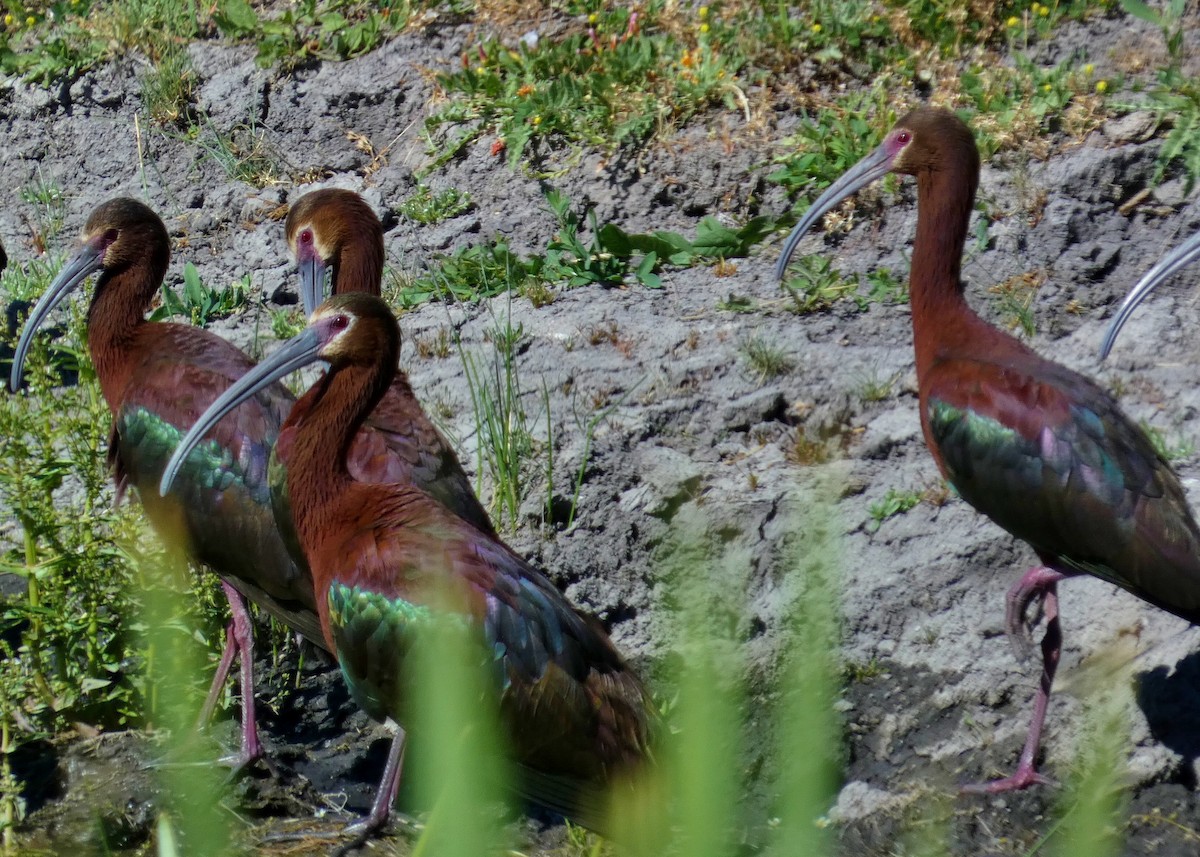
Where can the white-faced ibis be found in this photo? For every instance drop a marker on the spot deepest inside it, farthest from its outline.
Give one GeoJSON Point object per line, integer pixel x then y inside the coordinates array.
{"type": "Point", "coordinates": [1041, 450]}
{"type": "Point", "coordinates": [1163, 269]}
{"type": "Point", "coordinates": [335, 230]}
{"type": "Point", "coordinates": [157, 379]}
{"type": "Point", "coordinates": [571, 706]}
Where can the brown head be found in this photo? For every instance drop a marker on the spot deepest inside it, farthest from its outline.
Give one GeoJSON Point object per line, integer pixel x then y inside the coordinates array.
{"type": "Point", "coordinates": [335, 230]}
{"type": "Point", "coordinates": [128, 244]}
{"type": "Point", "coordinates": [925, 142]}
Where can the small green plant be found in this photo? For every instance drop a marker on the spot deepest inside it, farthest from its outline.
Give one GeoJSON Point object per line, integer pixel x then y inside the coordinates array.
{"type": "Point", "coordinates": [736, 303]}
{"type": "Point", "coordinates": [286, 323]}
{"type": "Point", "coordinates": [471, 273]}
{"type": "Point", "coordinates": [49, 207]}
{"type": "Point", "coordinates": [167, 88]}
{"type": "Point", "coordinates": [1175, 101]}
{"type": "Point", "coordinates": [767, 358]}
{"type": "Point", "coordinates": [893, 503]}
{"type": "Point", "coordinates": [814, 284]}
{"type": "Point", "coordinates": [243, 152]}
{"type": "Point", "coordinates": [874, 386]}
{"type": "Point", "coordinates": [200, 304]}
{"type": "Point", "coordinates": [1013, 300]}
{"type": "Point", "coordinates": [507, 446]}
{"type": "Point", "coordinates": [1177, 449]}
{"type": "Point", "coordinates": [884, 288]}
{"type": "Point", "coordinates": [824, 146]}
{"type": "Point", "coordinates": [424, 206]}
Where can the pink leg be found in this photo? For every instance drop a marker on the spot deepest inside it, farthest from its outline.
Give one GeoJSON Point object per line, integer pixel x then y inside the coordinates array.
{"type": "Point", "coordinates": [389, 785]}
{"type": "Point", "coordinates": [361, 831]}
{"type": "Point", "coordinates": [1036, 583]}
{"type": "Point", "coordinates": [239, 640]}
{"type": "Point", "coordinates": [218, 682]}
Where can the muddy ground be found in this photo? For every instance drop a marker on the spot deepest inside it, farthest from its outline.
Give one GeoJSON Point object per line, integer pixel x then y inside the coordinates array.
{"type": "Point", "coordinates": [934, 695]}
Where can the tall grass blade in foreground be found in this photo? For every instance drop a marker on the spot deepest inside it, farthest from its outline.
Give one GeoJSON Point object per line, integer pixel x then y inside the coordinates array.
{"type": "Point", "coordinates": [458, 760]}
{"type": "Point", "coordinates": [193, 783]}
{"type": "Point", "coordinates": [810, 747]}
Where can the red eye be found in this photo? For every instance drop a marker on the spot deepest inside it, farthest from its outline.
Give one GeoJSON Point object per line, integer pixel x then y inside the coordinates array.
{"type": "Point", "coordinates": [339, 323]}
{"type": "Point", "coordinates": [903, 137]}
{"type": "Point", "coordinates": [306, 237]}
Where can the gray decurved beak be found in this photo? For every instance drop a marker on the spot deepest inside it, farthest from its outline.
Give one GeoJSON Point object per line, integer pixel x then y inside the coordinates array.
{"type": "Point", "coordinates": [872, 167]}
{"type": "Point", "coordinates": [1180, 257]}
{"type": "Point", "coordinates": [86, 261]}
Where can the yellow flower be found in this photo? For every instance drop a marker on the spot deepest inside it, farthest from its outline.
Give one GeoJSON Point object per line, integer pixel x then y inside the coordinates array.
{"type": "Point", "coordinates": [30, 21]}
{"type": "Point", "coordinates": [704, 27]}
{"type": "Point", "coordinates": [1043, 11]}
{"type": "Point", "coordinates": [1013, 20]}
{"type": "Point", "coordinates": [593, 18]}
{"type": "Point", "coordinates": [1045, 87]}
{"type": "Point", "coordinates": [537, 120]}
{"type": "Point", "coordinates": [8, 20]}
{"type": "Point", "coordinates": [816, 28]}
{"type": "Point", "coordinates": [1101, 86]}
{"type": "Point", "coordinates": [1089, 69]}
{"type": "Point", "coordinates": [703, 12]}
{"type": "Point", "coordinates": [480, 70]}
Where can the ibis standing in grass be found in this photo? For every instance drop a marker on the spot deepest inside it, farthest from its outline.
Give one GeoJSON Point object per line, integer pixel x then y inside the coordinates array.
{"type": "Point", "coordinates": [1044, 452]}
{"type": "Point", "coordinates": [384, 555]}
{"type": "Point", "coordinates": [157, 379]}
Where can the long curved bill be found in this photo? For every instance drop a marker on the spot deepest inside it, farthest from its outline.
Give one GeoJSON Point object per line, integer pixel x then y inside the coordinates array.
{"type": "Point", "coordinates": [874, 166]}
{"type": "Point", "coordinates": [314, 276]}
{"type": "Point", "coordinates": [1180, 257]}
{"type": "Point", "coordinates": [297, 352]}
{"type": "Point", "coordinates": [86, 261]}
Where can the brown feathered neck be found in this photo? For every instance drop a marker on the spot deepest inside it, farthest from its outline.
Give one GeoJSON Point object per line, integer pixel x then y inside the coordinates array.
{"type": "Point", "coordinates": [134, 266]}
{"type": "Point", "coordinates": [946, 166]}
{"type": "Point", "coordinates": [327, 418]}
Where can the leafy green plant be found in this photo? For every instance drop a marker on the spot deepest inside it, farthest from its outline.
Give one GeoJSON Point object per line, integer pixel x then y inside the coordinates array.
{"type": "Point", "coordinates": [199, 303]}
{"type": "Point", "coordinates": [309, 30]}
{"type": "Point", "coordinates": [814, 284]}
{"type": "Point", "coordinates": [617, 81]}
{"type": "Point", "coordinates": [570, 259]}
{"type": "Point", "coordinates": [884, 288]}
{"type": "Point", "coordinates": [893, 503]}
{"type": "Point", "coordinates": [424, 206]}
{"type": "Point", "coordinates": [830, 142]}
{"type": "Point", "coordinates": [66, 654]}
{"type": "Point", "coordinates": [286, 323]}
{"type": "Point", "coordinates": [471, 273]}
